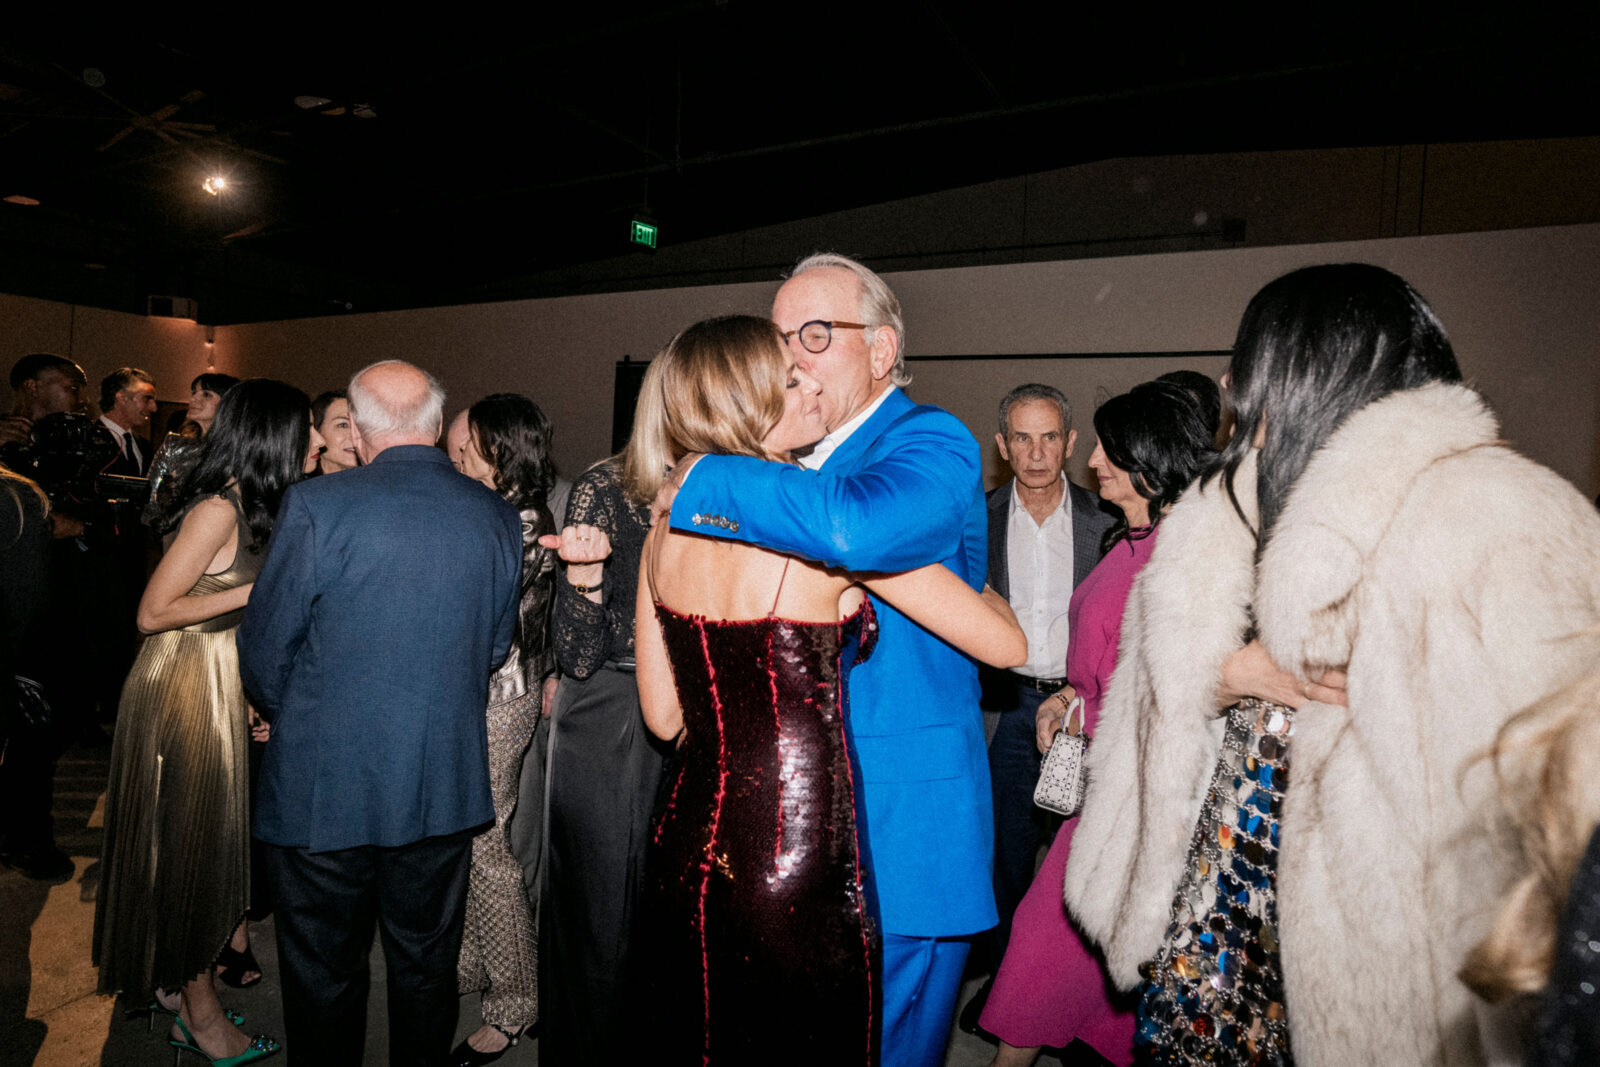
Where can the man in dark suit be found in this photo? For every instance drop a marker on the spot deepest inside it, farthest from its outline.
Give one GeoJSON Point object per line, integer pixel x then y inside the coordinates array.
{"type": "Point", "coordinates": [388, 596]}
{"type": "Point", "coordinates": [127, 400]}
{"type": "Point", "coordinates": [1044, 538]}
{"type": "Point", "coordinates": [116, 536]}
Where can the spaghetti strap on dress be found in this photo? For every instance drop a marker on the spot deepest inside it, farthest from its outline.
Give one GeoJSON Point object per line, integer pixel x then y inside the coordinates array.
{"type": "Point", "coordinates": [759, 921]}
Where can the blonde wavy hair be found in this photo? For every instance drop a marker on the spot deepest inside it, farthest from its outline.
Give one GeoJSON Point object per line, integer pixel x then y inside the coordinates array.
{"type": "Point", "coordinates": [1546, 761]}
{"type": "Point", "coordinates": [15, 485]}
{"type": "Point", "coordinates": [717, 387]}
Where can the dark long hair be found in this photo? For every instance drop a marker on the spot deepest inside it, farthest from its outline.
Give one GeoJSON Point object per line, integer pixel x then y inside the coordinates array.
{"type": "Point", "coordinates": [514, 435]}
{"type": "Point", "coordinates": [1314, 347]}
{"type": "Point", "coordinates": [258, 439]}
{"type": "Point", "coordinates": [1159, 435]}
{"type": "Point", "coordinates": [214, 381]}
{"type": "Point", "coordinates": [1205, 393]}
{"type": "Point", "coordinates": [320, 406]}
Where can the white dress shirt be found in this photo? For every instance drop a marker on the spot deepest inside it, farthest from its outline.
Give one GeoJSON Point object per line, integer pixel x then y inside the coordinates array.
{"type": "Point", "coordinates": [1039, 570]}
{"type": "Point", "coordinates": [824, 448]}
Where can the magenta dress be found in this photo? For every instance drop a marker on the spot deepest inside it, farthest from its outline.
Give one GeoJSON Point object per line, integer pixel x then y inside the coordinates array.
{"type": "Point", "coordinates": [1051, 986]}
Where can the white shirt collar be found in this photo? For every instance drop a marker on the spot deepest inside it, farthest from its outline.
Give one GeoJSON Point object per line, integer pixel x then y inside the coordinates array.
{"type": "Point", "coordinates": [1018, 505]}
{"type": "Point", "coordinates": [114, 428]}
{"type": "Point", "coordinates": [825, 447]}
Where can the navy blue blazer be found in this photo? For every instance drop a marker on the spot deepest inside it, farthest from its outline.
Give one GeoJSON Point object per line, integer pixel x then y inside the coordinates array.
{"type": "Point", "coordinates": [388, 596]}
{"type": "Point", "coordinates": [904, 490]}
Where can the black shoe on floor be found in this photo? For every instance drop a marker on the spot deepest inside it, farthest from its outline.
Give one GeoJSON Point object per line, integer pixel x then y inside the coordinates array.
{"type": "Point", "coordinates": [968, 1019]}
{"type": "Point", "coordinates": [48, 864]}
{"type": "Point", "coordinates": [464, 1055]}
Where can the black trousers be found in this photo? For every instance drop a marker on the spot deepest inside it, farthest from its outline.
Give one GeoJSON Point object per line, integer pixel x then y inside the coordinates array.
{"type": "Point", "coordinates": [328, 903]}
{"type": "Point", "coordinates": [603, 774]}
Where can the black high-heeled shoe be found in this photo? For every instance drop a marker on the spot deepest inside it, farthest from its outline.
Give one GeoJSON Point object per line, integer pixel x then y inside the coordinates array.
{"type": "Point", "coordinates": [464, 1055]}
{"type": "Point", "coordinates": [232, 963]}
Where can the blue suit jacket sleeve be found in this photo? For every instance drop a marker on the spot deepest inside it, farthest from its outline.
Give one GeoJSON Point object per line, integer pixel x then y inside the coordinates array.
{"type": "Point", "coordinates": [279, 613]}
{"type": "Point", "coordinates": [903, 506]}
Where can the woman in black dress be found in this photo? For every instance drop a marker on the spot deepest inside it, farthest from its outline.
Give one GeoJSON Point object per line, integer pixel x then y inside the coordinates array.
{"type": "Point", "coordinates": [604, 768]}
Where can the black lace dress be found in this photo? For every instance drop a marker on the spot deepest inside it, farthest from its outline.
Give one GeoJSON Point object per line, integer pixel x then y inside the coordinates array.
{"type": "Point", "coordinates": [604, 769]}
{"type": "Point", "coordinates": [763, 942]}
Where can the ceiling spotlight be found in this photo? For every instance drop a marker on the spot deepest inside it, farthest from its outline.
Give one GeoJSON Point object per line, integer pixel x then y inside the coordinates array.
{"type": "Point", "coordinates": [214, 184]}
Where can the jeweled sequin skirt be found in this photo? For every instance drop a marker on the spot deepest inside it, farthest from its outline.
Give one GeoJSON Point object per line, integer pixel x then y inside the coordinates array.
{"type": "Point", "coordinates": [1214, 994]}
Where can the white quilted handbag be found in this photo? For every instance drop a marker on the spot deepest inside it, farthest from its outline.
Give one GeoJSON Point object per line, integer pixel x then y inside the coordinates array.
{"type": "Point", "coordinates": [1061, 778]}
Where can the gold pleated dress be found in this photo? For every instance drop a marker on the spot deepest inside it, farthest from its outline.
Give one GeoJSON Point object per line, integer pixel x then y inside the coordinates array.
{"type": "Point", "coordinates": [175, 870]}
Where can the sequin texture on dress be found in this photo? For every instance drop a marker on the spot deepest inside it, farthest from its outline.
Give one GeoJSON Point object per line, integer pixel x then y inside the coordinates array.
{"type": "Point", "coordinates": [761, 926]}
{"type": "Point", "coordinates": [1214, 994]}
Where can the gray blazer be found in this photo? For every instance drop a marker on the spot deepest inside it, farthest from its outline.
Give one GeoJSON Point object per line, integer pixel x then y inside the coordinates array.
{"type": "Point", "coordinates": [1091, 518]}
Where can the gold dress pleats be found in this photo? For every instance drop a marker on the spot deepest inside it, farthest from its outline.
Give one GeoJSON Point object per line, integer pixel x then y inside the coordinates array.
{"type": "Point", "coordinates": [175, 870]}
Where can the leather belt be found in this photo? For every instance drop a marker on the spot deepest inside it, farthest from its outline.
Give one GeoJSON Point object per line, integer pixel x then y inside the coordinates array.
{"type": "Point", "coordinates": [1043, 685]}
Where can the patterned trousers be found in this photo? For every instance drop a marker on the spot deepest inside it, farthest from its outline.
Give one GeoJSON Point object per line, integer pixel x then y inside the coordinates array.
{"type": "Point", "coordinates": [499, 947]}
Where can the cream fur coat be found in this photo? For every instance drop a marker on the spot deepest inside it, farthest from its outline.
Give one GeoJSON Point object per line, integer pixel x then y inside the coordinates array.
{"type": "Point", "coordinates": [1448, 572]}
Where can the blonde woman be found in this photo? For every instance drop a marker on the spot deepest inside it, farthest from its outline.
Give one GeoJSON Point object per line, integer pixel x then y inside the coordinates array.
{"type": "Point", "coordinates": [757, 898]}
{"type": "Point", "coordinates": [1547, 763]}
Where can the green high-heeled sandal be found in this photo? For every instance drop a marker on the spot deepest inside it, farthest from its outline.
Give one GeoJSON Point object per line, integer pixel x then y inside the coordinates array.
{"type": "Point", "coordinates": [157, 1008]}
{"type": "Point", "coordinates": [261, 1046]}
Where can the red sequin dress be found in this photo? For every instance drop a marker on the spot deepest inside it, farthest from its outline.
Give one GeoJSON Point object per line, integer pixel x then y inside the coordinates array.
{"type": "Point", "coordinates": [763, 938]}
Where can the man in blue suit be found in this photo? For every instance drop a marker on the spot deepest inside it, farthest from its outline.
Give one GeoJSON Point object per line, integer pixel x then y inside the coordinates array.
{"type": "Point", "coordinates": [388, 595]}
{"type": "Point", "coordinates": [892, 486]}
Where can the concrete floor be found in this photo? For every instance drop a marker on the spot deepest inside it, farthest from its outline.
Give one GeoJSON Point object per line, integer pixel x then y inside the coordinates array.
{"type": "Point", "coordinates": [50, 1015]}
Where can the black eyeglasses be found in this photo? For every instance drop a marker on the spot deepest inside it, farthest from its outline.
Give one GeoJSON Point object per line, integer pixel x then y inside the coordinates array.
{"type": "Point", "coordinates": [817, 335]}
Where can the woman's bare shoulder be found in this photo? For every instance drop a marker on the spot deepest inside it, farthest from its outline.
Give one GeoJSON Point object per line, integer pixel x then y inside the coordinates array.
{"type": "Point", "coordinates": [725, 579]}
{"type": "Point", "coordinates": [213, 511]}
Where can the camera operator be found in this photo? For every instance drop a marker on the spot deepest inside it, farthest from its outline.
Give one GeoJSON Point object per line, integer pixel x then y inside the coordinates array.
{"type": "Point", "coordinates": [91, 469]}
{"type": "Point", "coordinates": [43, 384]}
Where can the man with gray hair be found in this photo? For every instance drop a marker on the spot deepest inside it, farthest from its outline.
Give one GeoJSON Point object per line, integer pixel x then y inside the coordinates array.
{"type": "Point", "coordinates": [893, 486]}
{"type": "Point", "coordinates": [388, 596]}
{"type": "Point", "coordinates": [1044, 538]}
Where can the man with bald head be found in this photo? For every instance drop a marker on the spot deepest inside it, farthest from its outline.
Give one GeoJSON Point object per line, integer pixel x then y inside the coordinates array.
{"type": "Point", "coordinates": [388, 596]}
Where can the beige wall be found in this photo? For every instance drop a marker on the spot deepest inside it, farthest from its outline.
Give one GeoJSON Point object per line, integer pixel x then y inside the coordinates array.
{"type": "Point", "coordinates": [172, 350]}
{"type": "Point", "coordinates": [1519, 305]}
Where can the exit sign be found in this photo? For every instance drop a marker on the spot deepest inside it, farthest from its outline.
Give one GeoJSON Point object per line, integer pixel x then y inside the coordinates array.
{"type": "Point", "coordinates": [643, 233]}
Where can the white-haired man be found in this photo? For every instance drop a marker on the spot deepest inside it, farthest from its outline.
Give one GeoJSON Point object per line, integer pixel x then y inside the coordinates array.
{"type": "Point", "coordinates": [388, 597]}
{"type": "Point", "coordinates": [893, 486]}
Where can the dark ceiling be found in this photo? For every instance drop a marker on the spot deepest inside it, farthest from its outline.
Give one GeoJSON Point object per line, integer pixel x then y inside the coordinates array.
{"type": "Point", "coordinates": [455, 166]}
